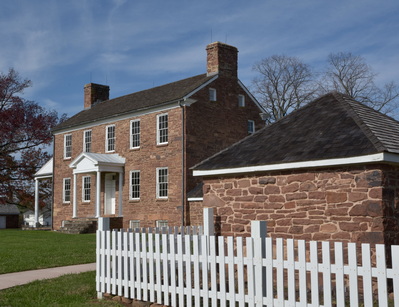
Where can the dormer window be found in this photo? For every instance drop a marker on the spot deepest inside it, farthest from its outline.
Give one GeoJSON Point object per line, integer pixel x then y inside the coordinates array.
{"type": "Point", "coordinates": [241, 100]}
{"type": "Point", "coordinates": [212, 94]}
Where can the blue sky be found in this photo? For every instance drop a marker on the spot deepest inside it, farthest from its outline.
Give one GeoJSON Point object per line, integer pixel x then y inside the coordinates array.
{"type": "Point", "coordinates": [134, 45]}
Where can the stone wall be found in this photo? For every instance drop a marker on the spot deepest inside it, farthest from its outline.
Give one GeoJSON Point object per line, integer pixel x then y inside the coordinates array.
{"type": "Point", "coordinates": [341, 204]}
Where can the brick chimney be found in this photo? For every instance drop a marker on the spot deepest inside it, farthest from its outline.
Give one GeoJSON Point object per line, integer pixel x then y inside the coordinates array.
{"type": "Point", "coordinates": [222, 59]}
{"type": "Point", "coordinates": [94, 93]}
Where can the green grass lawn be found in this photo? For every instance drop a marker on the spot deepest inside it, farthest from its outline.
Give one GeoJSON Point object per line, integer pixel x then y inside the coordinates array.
{"type": "Point", "coordinates": [68, 290]}
{"type": "Point", "coordinates": [29, 250]}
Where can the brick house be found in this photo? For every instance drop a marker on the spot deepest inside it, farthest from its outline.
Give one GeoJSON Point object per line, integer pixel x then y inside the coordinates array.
{"type": "Point", "coordinates": [328, 171]}
{"type": "Point", "coordinates": [130, 157]}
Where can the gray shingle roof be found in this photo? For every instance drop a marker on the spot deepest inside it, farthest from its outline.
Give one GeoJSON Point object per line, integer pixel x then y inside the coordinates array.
{"type": "Point", "coordinates": [137, 101]}
{"type": "Point", "coordinates": [333, 126]}
{"type": "Point", "coordinates": [9, 210]}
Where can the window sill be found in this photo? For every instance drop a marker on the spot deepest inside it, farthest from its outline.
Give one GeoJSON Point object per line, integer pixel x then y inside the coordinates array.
{"type": "Point", "coordinates": [162, 199]}
{"type": "Point", "coordinates": [134, 201]}
{"type": "Point", "coordinates": [162, 144]}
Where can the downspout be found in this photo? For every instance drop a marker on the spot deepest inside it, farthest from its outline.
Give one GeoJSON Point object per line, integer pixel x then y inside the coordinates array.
{"type": "Point", "coordinates": [183, 184]}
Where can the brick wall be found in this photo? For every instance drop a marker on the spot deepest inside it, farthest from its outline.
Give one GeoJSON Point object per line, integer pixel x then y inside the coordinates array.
{"type": "Point", "coordinates": [351, 204]}
{"type": "Point", "coordinates": [146, 159]}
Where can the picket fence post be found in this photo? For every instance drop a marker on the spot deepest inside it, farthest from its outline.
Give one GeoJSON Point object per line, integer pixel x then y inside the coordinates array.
{"type": "Point", "coordinates": [103, 224]}
{"type": "Point", "coordinates": [258, 233]}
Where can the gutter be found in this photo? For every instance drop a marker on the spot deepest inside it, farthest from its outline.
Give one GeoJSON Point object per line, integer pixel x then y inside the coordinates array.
{"type": "Point", "coordinates": [373, 158]}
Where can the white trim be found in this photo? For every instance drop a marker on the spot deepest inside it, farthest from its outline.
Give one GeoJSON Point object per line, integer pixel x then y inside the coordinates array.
{"type": "Point", "coordinates": [63, 190]}
{"type": "Point", "coordinates": [84, 139]}
{"type": "Point", "coordinates": [158, 130]}
{"type": "Point", "coordinates": [251, 96]}
{"type": "Point", "coordinates": [157, 181]}
{"type": "Point", "coordinates": [65, 136]}
{"type": "Point", "coordinates": [195, 199]}
{"type": "Point", "coordinates": [379, 157]}
{"type": "Point", "coordinates": [106, 138]}
{"type": "Point", "coordinates": [200, 87]}
{"type": "Point", "coordinates": [131, 134]}
{"type": "Point", "coordinates": [130, 184]}
{"type": "Point", "coordinates": [106, 121]}
{"type": "Point", "coordinates": [83, 189]}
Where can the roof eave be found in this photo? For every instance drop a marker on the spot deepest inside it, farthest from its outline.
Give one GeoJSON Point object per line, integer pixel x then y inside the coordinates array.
{"type": "Point", "coordinates": [383, 157]}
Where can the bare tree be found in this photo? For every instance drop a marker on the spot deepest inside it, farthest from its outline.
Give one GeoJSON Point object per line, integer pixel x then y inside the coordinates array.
{"type": "Point", "coordinates": [285, 84]}
{"type": "Point", "coordinates": [351, 75]}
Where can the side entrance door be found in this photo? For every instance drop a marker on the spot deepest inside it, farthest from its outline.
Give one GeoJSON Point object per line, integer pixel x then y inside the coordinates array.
{"type": "Point", "coordinates": [109, 191]}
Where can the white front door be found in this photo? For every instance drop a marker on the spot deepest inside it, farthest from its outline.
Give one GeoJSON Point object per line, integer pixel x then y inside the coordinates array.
{"type": "Point", "coordinates": [109, 197]}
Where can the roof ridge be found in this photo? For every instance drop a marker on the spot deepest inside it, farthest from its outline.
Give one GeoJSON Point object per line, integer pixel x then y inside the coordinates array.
{"type": "Point", "coordinates": [344, 102]}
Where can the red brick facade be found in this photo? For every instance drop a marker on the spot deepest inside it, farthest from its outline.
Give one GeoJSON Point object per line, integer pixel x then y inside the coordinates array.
{"type": "Point", "coordinates": [352, 204]}
{"type": "Point", "coordinates": [194, 133]}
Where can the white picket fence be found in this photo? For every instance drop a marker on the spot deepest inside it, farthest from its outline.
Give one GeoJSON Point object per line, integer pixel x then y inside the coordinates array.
{"type": "Point", "coordinates": [199, 270]}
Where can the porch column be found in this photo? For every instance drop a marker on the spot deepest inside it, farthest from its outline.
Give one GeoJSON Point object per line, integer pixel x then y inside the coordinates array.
{"type": "Point", "coordinates": [120, 194]}
{"type": "Point", "coordinates": [74, 201]}
{"type": "Point", "coordinates": [98, 193]}
{"type": "Point", "coordinates": [36, 201]}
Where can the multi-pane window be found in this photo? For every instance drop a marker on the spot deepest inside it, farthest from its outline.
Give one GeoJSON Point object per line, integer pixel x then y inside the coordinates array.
{"type": "Point", "coordinates": [241, 100]}
{"type": "Point", "coordinates": [162, 129]}
{"type": "Point", "coordinates": [212, 94]}
{"type": "Point", "coordinates": [133, 224]}
{"type": "Point", "coordinates": [87, 141]}
{"type": "Point", "coordinates": [86, 188]}
{"type": "Point", "coordinates": [161, 223]}
{"type": "Point", "coordinates": [66, 193]}
{"type": "Point", "coordinates": [135, 133]}
{"type": "Point", "coordinates": [162, 182]}
{"type": "Point", "coordinates": [135, 185]}
{"type": "Point", "coordinates": [251, 126]}
{"type": "Point", "coordinates": [67, 146]}
{"type": "Point", "coordinates": [110, 138]}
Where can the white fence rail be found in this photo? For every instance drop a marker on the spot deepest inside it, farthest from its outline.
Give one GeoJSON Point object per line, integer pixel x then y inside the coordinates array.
{"type": "Point", "coordinates": [197, 270]}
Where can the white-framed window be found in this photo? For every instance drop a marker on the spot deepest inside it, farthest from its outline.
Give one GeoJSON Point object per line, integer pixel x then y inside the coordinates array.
{"type": "Point", "coordinates": [241, 100]}
{"type": "Point", "coordinates": [134, 185]}
{"type": "Point", "coordinates": [162, 129]}
{"type": "Point", "coordinates": [133, 224]}
{"type": "Point", "coordinates": [161, 223]}
{"type": "Point", "coordinates": [162, 182]}
{"type": "Point", "coordinates": [66, 191]}
{"type": "Point", "coordinates": [87, 141]}
{"type": "Point", "coordinates": [67, 146]}
{"type": "Point", "coordinates": [110, 138]}
{"type": "Point", "coordinates": [251, 126]}
{"type": "Point", "coordinates": [135, 133]}
{"type": "Point", "coordinates": [86, 188]}
{"type": "Point", "coordinates": [212, 94]}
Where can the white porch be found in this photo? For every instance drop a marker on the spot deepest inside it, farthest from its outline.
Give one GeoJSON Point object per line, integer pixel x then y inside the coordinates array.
{"type": "Point", "coordinates": [89, 163]}
{"type": "Point", "coordinates": [46, 172]}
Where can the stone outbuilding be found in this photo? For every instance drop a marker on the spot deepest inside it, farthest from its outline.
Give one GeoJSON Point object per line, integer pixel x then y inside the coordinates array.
{"type": "Point", "coordinates": [327, 171]}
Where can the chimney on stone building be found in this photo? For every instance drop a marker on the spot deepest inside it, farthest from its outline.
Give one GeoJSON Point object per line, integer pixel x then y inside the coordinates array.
{"type": "Point", "coordinates": [222, 59]}
{"type": "Point", "coordinates": [94, 93]}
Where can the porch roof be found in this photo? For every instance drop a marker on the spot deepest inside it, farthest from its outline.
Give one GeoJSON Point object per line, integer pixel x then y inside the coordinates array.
{"type": "Point", "coordinates": [88, 162]}
{"type": "Point", "coordinates": [46, 171]}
